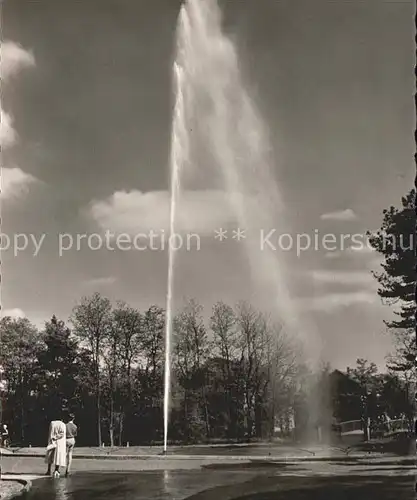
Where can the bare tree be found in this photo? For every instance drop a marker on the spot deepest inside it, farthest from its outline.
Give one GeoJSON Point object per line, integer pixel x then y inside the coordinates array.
{"type": "Point", "coordinates": [267, 364]}
{"type": "Point", "coordinates": [152, 339]}
{"type": "Point", "coordinates": [112, 364]}
{"type": "Point", "coordinates": [152, 361]}
{"type": "Point", "coordinates": [128, 336]}
{"type": "Point", "coordinates": [253, 342]}
{"type": "Point", "coordinates": [191, 352]}
{"type": "Point", "coordinates": [91, 320]}
{"type": "Point", "coordinates": [282, 360]}
{"type": "Point", "coordinates": [225, 348]}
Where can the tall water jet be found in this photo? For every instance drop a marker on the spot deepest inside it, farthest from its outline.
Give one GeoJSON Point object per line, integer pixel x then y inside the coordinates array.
{"type": "Point", "coordinates": [178, 155]}
{"type": "Point", "coordinates": [215, 114]}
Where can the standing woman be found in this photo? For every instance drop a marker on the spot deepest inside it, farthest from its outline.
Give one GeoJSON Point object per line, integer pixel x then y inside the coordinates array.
{"type": "Point", "coordinates": [56, 452]}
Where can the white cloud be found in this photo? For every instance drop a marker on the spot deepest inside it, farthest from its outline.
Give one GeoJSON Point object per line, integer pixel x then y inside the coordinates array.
{"type": "Point", "coordinates": [97, 282]}
{"type": "Point", "coordinates": [362, 250]}
{"type": "Point", "coordinates": [375, 263]}
{"type": "Point", "coordinates": [133, 212]}
{"type": "Point", "coordinates": [334, 301]}
{"type": "Point", "coordinates": [14, 182]}
{"type": "Point", "coordinates": [8, 135]}
{"type": "Point", "coordinates": [333, 255]}
{"type": "Point", "coordinates": [13, 313]}
{"type": "Point", "coordinates": [341, 215]}
{"type": "Point", "coordinates": [13, 58]}
{"type": "Point", "coordinates": [344, 277]}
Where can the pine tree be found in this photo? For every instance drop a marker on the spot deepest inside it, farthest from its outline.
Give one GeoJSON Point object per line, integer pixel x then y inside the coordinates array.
{"type": "Point", "coordinates": [57, 368]}
{"type": "Point", "coordinates": [396, 242]}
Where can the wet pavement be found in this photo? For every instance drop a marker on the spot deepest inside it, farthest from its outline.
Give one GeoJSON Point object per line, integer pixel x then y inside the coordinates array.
{"type": "Point", "coordinates": [326, 487]}
{"type": "Point", "coordinates": [363, 479]}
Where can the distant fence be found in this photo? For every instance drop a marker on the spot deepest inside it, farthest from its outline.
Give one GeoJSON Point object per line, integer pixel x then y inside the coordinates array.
{"type": "Point", "coordinates": [385, 428]}
{"type": "Point", "coordinates": [398, 425]}
{"type": "Point", "coordinates": [351, 426]}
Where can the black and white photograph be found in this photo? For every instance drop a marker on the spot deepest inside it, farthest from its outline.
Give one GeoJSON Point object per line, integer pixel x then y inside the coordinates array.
{"type": "Point", "coordinates": [208, 250]}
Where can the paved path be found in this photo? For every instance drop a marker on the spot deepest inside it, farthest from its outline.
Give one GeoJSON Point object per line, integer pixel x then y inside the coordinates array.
{"type": "Point", "coordinates": [35, 467]}
{"type": "Point", "coordinates": [219, 453]}
{"type": "Point", "coordinates": [195, 450]}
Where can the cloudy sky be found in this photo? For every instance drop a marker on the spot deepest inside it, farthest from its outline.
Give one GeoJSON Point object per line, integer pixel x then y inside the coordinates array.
{"type": "Point", "coordinates": [86, 138]}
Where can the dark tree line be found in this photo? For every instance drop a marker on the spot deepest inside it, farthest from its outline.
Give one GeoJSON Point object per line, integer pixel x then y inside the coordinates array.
{"type": "Point", "coordinates": [106, 365]}
{"type": "Point", "coordinates": [237, 378]}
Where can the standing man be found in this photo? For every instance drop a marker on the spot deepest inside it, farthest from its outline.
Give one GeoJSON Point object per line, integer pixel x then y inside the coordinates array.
{"type": "Point", "coordinates": [72, 431]}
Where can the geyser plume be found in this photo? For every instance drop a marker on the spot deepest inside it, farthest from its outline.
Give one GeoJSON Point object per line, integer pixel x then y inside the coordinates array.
{"type": "Point", "coordinates": [215, 114]}
{"type": "Point", "coordinates": [179, 153]}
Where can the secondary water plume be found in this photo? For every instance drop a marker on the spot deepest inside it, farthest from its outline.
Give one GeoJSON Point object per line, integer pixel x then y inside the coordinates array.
{"type": "Point", "coordinates": [216, 125]}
